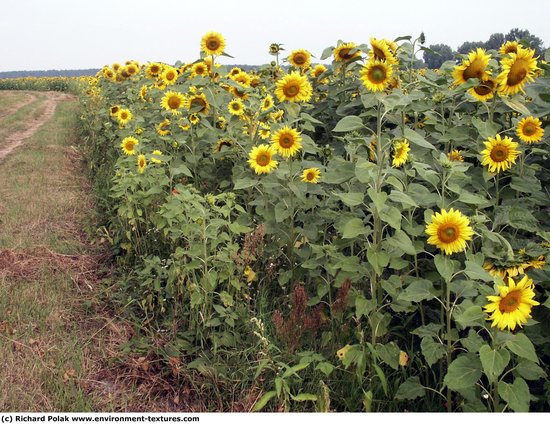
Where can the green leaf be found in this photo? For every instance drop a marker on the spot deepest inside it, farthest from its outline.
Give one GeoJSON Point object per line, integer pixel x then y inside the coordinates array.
{"type": "Point", "coordinates": [445, 266]}
{"type": "Point", "coordinates": [522, 346]}
{"type": "Point", "coordinates": [516, 105]}
{"type": "Point", "coordinates": [181, 169]}
{"type": "Point", "coordinates": [304, 397]}
{"type": "Point", "coordinates": [378, 259]}
{"type": "Point", "coordinates": [476, 272]}
{"type": "Point", "coordinates": [245, 182]}
{"type": "Point", "coordinates": [348, 124]}
{"type": "Point", "coordinates": [389, 354]}
{"type": "Point", "coordinates": [402, 241]}
{"type": "Point", "coordinates": [264, 400]}
{"type": "Point", "coordinates": [432, 350]}
{"type": "Point", "coordinates": [486, 129]}
{"type": "Point", "coordinates": [351, 199]}
{"type": "Point", "coordinates": [354, 228]}
{"type": "Point", "coordinates": [365, 171]}
{"type": "Point", "coordinates": [410, 389]}
{"type": "Point", "coordinates": [420, 289]}
{"type": "Point", "coordinates": [517, 394]}
{"type": "Point", "coordinates": [472, 316]}
{"type": "Point", "coordinates": [392, 216]}
{"type": "Point", "coordinates": [378, 198]}
{"type": "Point", "coordinates": [382, 377]}
{"type": "Point", "coordinates": [494, 361]}
{"type": "Point", "coordinates": [416, 139]}
{"type": "Point", "coordinates": [529, 370]}
{"type": "Point", "coordinates": [364, 306]}
{"type": "Point", "coordinates": [294, 369]}
{"type": "Point", "coordinates": [404, 199]}
{"type": "Point", "coordinates": [472, 342]}
{"type": "Point", "coordinates": [325, 367]}
{"type": "Point", "coordinates": [464, 372]}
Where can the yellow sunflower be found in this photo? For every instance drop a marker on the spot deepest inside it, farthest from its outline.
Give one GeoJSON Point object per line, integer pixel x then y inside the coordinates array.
{"type": "Point", "coordinates": [223, 142]}
{"type": "Point", "coordinates": [153, 70]}
{"type": "Point", "coordinates": [474, 66]}
{"type": "Point", "coordinates": [236, 107]}
{"type": "Point", "coordinates": [128, 145]}
{"type": "Point", "coordinates": [173, 101]}
{"type": "Point", "coordinates": [141, 163]}
{"type": "Point", "coordinates": [287, 141]}
{"type": "Point", "coordinates": [221, 122]}
{"type": "Point", "coordinates": [455, 155]}
{"type": "Point", "coordinates": [318, 70]}
{"type": "Point", "coordinates": [113, 111]}
{"type": "Point", "coordinates": [169, 75]}
{"type": "Point", "coordinates": [346, 52]}
{"type": "Point", "coordinates": [381, 51]}
{"type": "Point", "coordinates": [267, 103]}
{"type": "Point", "coordinates": [499, 154]}
{"type": "Point", "coordinates": [124, 116]}
{"type": "Point", "coordinates": [376, 75]}
{"type": "Point", "coordinates": [311, 175]}
{"type": "Point", "coordinates": [213, 43]}
{"type": "Point", "coordinates": [530, 130]}
{"type": "Point", "coordinates": [198, 104]}
{"type": "Point", "coordinates": [200, 69]}
{"type": "Point", "coordinates": [154, 156]}
{"type": "Point", "coordinates": [194, 118]}
{"type": "Point", "coordinates": [261, 159]}
{"type": "Point", "coordinates": [485, 90]}
{"type": "Point", "coordinates": [449, 231]}
{"type": "Point", "coordinates": [517, 70]}
{"type": "Point", "coordinates": [300, 58]}
{"type": "Point", "coordinates": [509, 47]}
{"type": "Point", "coordinates": [243, 78]}
{"type": "Point", "coordinates": [400, 153]}
{"type": "Point", "coordinates": [293, 87]}
{"type": "Point", "coordinates": [512, 306]}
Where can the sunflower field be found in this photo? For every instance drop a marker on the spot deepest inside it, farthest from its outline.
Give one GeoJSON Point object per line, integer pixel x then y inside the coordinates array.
{"type": "Point", "coordinates": [354, 236]}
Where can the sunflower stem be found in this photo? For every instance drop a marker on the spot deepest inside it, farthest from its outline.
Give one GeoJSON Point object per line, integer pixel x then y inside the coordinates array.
{"type": "Point", "coordinates": [448, 313]}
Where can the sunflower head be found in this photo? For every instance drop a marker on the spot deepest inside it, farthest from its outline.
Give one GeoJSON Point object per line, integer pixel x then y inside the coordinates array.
{"type": "Point", "coordinates": [200, 69]}
{"type": "Point", "coordinates": [153, 70]}
{"type": "Point", "coordinates": [173, 101]}
{"type": "Point", "coordinates": [512, 305]}
{"type": "Point", "coordinates": [509, 47]}
{"type": "Point", "coordinates": [345, 52]}
{"type": "Point", "coordinates": [155, 156]}
{"type": "Point", "coordinates": [311, 175]}
{"type": "Point", "coordinates": [455, 155]}
{"type": "Point", "coordinates": [293, 87]}
{"type": "Point", "coordinates": [213, 43]}
{"type": "Point", "coordinates": [401, 150]}
{"type": "Point", "coordinates": [499, 154]}
{"type": "Point", "coordinates": [485, 90]}
{"type": "Point", "coordinates": [163, 128]}
{"type": "Point", "coordinates": [449, 231]}
{"type": "Point", "coordinates": [530, 130]}
{"type": "Point", "coordinates": [198, 104]}
{"type": "Point", "coordinates": [300, 58]}
{"type": "Point", "coordinates": [236, 107]}
{"type": "Point", "coordinates": [376, 75]}
{"type": "Point", "coordinates": [128, 145]}
{"type": "Point", "coordinates": [474, 66]}
{"type": "Point", "coordinates": [261, 159]}
{"type": "Point", "coordinates": [517, 70]}
{"type": "Point", "coordinates": [267, 103]}
{"type": "Point", "coordinates": [124, 116]}
{"type": "Point", "coordinates": [286, 141]}
{"type": "Point", "coordinates": [141, 163]}
{"type": "Point", "coordinates": [318, 70]}
{"type": "Point", "coordinates": [381, 51]}
{"type": "Point", "coordinates": [169, 75]}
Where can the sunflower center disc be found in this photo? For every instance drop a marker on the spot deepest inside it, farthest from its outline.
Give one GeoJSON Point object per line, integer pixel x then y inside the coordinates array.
{"type": "Point", "coordinates": [484, 88]}
{"type": "Point", "coordinates": [300, 59]}
{"type": "Point", "coordinates": [474, 70]}
{"type": "Point", "coordinates": [263, 160]}
{"type": "Point", "coordinates": [213, 44]}
{"type": "Point", "coordinates": [510, 302]}
{"type": "Point", "coordinates": [310, 176]}
{"type": "Point", "coordinates": [528, 130]}
{"type": "Point", "coordinates": [174, 103]}
{"type": "Point", "coordinates": [286, 141]}
{"type": "Point", "coordinates": [378, 75]}
{"type": "Point", "coordinates": [291, 90]}
{"type": "Point", "coordinates": [500, 153]}
{"type": "Point", "coordinates": [517, 73]}
{"type": "Point", "coordinates": [448, 233]}
{"type": "Point", "coordinates": [344, 54]}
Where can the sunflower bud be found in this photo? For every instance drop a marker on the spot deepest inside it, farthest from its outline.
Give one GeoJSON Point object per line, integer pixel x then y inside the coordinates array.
{"type": "Point", "coordinates": [422, 38]}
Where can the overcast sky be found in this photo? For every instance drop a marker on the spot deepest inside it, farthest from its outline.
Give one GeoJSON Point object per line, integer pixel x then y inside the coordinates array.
{"type": "Point", "coordinates": [75, 34]}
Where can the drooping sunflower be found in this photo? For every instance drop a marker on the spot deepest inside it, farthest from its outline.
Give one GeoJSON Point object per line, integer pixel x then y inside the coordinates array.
{"type": "Point", "coordinates": [530, 130]}
{"type": "Point", "coordinates": [474, 66]}
{"type": "Point", "coordinates": [198, 104]}
{"type": "Point", "coordinates": [311, 175]}
{"type": "Point", "coordinates": [223, 142]}
{"type": "Point", "coordinates": [236, 107]}
{"type": "Point", "coordinates": [163, 128]}
{"type": "Point", "coordinates": [518, 69]}
{"type": "Point", "coordinates": [173, 101]}
{"type": "Point", "coordinates": [124, 116]}
{"type": "Point", "coordinates": [261, 159]}
{"type": "Point", "coordinates": [300, 58]}
{"type": "Point", "coordinates": [267, 103]}
{"type": "Point", "coordinates": [376, 75]}
{"type": "Point", "coordinates": [213, 43]}
{"type": "Point", "coordinates": [345, 52]}
{"type": "Point", "coordinates": [221, 122]}
{"type": "Point", "coordinates": [499, 154]}
{"type": "Point", "coordinates": [512, 306]}
{"type": "Point", "coordinates": [449, 231]}
{"type": "Point", "coordinates": [455, 155]}
{"type": "Point", "coordinates": [293, 87]}
{"type": "Point", "coordinates": [400, 153]}
{"type": "Point", "coordinates": [381, 51]}
{"type": "Point", "coordinates": [485, 90]}
{"type": "Point", "coordinates": [509, 47]}
{"type": "Point", "coordinates": [141, 163]}
{"type": "Point", "coordinates": [155, 156]}
{"type": "Point", "coordinates": [128, 145]}
{"type": "Point", "coordinates": [287, 141]}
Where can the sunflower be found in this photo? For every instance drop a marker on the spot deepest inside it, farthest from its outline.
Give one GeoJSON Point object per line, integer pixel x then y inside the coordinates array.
{"type": "Point", "coordinates": [376, 75]}
{"type": "Point", "coordinates": [124, 116]}
{"type": "Point", "coordinates": [223, 142]}
{"type": "Point", "coordinates": [172, 101]}
{"type": "Point", "coordinates": [276, 115]}
{"type": "Point", "coordinates": [221, 122]}
{"type": "Point", "coordinates": [141, 163]}
{"type": "Point", "coordinates": [243, 78]}
{"type": "Point", "coordinates": [194, 118]}
{"type": "Point", "coordinates": [236, 107]}
{"type": "Point", "coordinates": [372, 150]}
{"type": "Point", "coordinates": [449, 231]}
{"type": "Point", "coordinates": [517, 70]}
{"type": "Point", "coordinates": [249, 274]}
{"type": "Point", "coordinates": [455, 155]}
{"type": "Point", "coordinates": [261, 159]}
{"type": "Point", "coordinates": [300, 58]}
{"type": "Point", "coordinates": [512, 306]}
{"type": "Point", "coordinates": [318, 70]}
{"type": "Point", "coordinates": [198, 104]}
{"type": "Point", "coordinates": [213, 43]}
{"type": "Point", "coordinates": [153, 70]}
{"type": "Point", "coordinates": [346, 52]}
{"type": "Point", "coordinates": [311, 175]}
{"type": "Point", "coordinates": [154, 156]}
{"type": "Point", "coordinates": [287, 141]}
{"type": "Point", "coordinates": [509, 47]}
{"type": "Point", "coordinates": [499, 154]}
{"type": "Point", "coordinates": [400, 153]}
{"type": "Point", "coordinates": [169, 75]}
{"type": "Point", "coordinates": [381, 51]}
{"type": "Point", "coordinates": [293, 87]}
{"type": "Point", "coordinates": [128, 145]}
{"type": "Point", "coordinates": [474, 66]}
{"type": "Point", "coordinates": [234, 71]}
{"type": "Point", "coordinates": [267, 103]}
{"type": "Point", "coordinates": [163, 128]}
{"type": "Point", "coordinates": [200, 69]}
{"type": "Point", "coordinates": [143, 93]}
{"type": "Point", "coordinates": [113, 111]}
{"type": "Point", "coordinates": [264, 132]}
{"type": "Point", "coordinates": [530, 130]}
{"type": "Point", "coordinates": [485, 90]}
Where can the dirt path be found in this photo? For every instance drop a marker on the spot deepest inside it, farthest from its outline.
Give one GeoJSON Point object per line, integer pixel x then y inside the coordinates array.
{"type": "Point", "coordinates": [27, 99]}
{"type": "Point", "coordinates": [17, 138]}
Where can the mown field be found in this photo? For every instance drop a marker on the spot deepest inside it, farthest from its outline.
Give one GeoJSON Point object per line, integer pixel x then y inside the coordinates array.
{"type": "Point", "coordinates": [354, 236]}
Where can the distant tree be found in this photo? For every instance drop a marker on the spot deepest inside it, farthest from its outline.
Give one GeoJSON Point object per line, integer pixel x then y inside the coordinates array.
{"type": "Point", "coordinates": [524, 36]}
{"type": "Point", "coordinates": [468, 46]}
{"type": "Point", "coordinates": [436, 54]}
{"type": "Point", "coordinates": [495, 41]}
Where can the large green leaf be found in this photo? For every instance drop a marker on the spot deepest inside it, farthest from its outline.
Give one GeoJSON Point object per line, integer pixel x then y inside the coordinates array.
{"type": "Point", "coordinates": [445, 266]}
{"type": "Point", "coordinates": [432, 350]}
{"type": "Point", "coordinates": [353, 228]}
{"type": "Point", "coordinates": [416, 139]}
{"type": "Point", "coordinates": [522, 346]}
{"type": "Point", "coordinates": [463, 372]}
{"type": "Point", "coordinates": [410, 389]}
{"type": "Point", "coordinates": [388, 353]}
{"type": "Point", "coordinates": [517, 394]}
{"type": "Point", "coordinates": [486, 129]}
{"type": "Point", "coordinates": [348, 124]}
{"type": "Point", "coordinates": [351, 199]}
{"type": "Point", "coordinates": [530, 370]}
{"type": "Point", "coordinates": [264, 400]}
{"type": "Point", "coordinates": [471, 316]}
{"type": "Point", "coordinates": [419, 290]}
{"type": "Point", "coordinates": [494, 361]}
